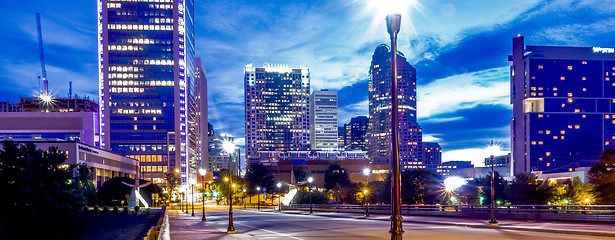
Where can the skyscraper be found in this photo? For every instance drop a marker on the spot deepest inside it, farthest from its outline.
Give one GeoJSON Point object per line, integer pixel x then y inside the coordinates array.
{"type": "Point", "coordinates": [323, 120]}
{"type": "Point", "coordinates": [563, 106]}
{"type": "Point", "coordinates": [379, 128]}
{"type": "Point", "coordinates": [356, 131]}
{"type": "Point", "coordinates": [148, 86]}
{"type": "Point", "coordinates": [277, 109]}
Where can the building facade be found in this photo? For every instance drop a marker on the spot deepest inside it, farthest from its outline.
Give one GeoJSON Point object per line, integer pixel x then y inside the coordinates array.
{"type": "Point", "coordinates": [432, 155]}
{"type": "Point", "coordinates": [277, 109]}
{"type": "Point", "coordinates": [563, 106]}
{"type": "Point", "coordinates": [379, 128]}
{"type": "Point", "coordinates": [355, 133]}
{"type": "Point", "coordinates": [323, 120]}
{"type": "Point", "coordinates": [147, 83]}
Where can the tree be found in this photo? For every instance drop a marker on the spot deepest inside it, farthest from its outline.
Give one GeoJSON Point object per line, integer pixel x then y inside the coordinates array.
{"type": "Point", "coordinates": [300, 175]}
{"type": "Point", "coordinates": [420, 187]}
{"type": "Point", "coordinates": [336, 180]}
{"type": "Point", "coordinates": [525, 189]}
{"type": "Point", "coordinates": [172, 181]}
{"type": "Point", "coordinates": [258, 175]}
{"type": "Point", "coordinates": [579, 191]}
{"type": "Point", "coordinates": [500, 186]}
{"type": "Point", "coordinates": [602, 177]}
{"type": "Point", "coordinates": [42, 192]}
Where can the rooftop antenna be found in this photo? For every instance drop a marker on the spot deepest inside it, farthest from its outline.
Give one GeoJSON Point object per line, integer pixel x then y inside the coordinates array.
{"type": "Point", "coordinates": [40, 48]}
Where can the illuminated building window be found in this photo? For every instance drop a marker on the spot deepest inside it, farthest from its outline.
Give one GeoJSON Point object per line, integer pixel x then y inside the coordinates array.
{"type": "Point", "coordinates": [533, 88]}
{"type": "Point", "coordinates": [562, 78]}
{"type": "Point", "coordinates": [569, 67]}
{"type": "Point", "coordinates": [577, 110]}
{"type": "Point", "coordinates": [555, 94]}
{"type": "Point", "coordinates": [569, 169]}
{"type": "Point", "coordinates": [577, 126]}
{"type": "Point", "coordinates": [548, 164]}
{"type": "Point", "coordinates": [570, 126]}
{"type": "Point", "coordinates": [583, 62]}
{"type": "Point", "coordinates": [607, 79]}
{"type": "Point", "coordinates": [540, 159]}
{"type": "Point", "coordinates": [539, 115]}
{"type": "Point", "coordinates": [533, 94]}
{"type": "Point", "coordinates": [540, 142]}
{"type": "Point", "coordinates": [606, 143]}
{"type": "Point", "coordinates": [562, 132]}
{"type": "Point", "coordinates": [583, 78]}
{"type": "Point", "coordinates": [563, 104]}
{"type": "Point", "coordinates": [584, 89]}
{"type": "Point", "coordinates": [570, 100]}
{"type": "Point", "coordinates": [533, 142]}
{"type": "Point", "coordinates": [555, 137]}
{"type": "Point", "coordinates": [540, 67]}
{"type": "Point", "coordinates": [135, 127]}
{"type": "Point", "coordinates": [540, 132]}
{"type": "Point", "coordinates": [539, 88]}
{"type": "Point", "coordinates": [533, 77]}
{"type": "Point", "coordinates": [562, 137]}
{"type": "Point", "coordinates": [539, 94]}
{"type": "Point", "coordinates": [548, 132]}
{"type": "Point", "coordinates": [569, 94]}
{"type": "Point", "coordinates": [554, 89]}
{"type": "Point", "coordinates": [548, 153]}
{"type": "Point", "coordinates": [606, 116]}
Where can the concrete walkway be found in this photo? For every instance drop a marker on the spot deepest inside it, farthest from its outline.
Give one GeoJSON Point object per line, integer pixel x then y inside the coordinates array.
{"type": "Point", "coordinates": [185, 227]}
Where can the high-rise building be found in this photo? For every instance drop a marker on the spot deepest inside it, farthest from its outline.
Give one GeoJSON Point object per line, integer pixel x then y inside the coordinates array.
{"type": "Point", "coordinates": [277, 109]}
{"type": "Point", "coordinates": [432, 155]}
{"type": "Point", "coordinates": [341, 138]}
{"type": "Point", "coordinates": [148, 83]}
{"type": "Point", "coordinates": [563, 106]}
{"type": "Point", "coordinates": [355, 132]}
{"type": "Point", "coordinates": [379, 128]}
{"type": "Point", "coordinates": [323, 120]}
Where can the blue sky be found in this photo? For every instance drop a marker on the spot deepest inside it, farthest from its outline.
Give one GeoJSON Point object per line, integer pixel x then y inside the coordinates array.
{"type": "Point", "coordinates": [459, 49]}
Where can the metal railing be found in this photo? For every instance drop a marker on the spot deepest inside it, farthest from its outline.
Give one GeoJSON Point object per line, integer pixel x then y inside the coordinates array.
{"type": "Point", "coordinates": [584, 213]}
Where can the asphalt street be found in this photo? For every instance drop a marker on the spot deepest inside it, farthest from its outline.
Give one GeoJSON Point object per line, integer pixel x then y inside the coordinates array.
{"type": "Point", "coordinates": [252, 224]}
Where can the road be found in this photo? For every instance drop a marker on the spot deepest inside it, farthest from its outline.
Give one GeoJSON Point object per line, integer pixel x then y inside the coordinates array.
{"type": "Point", "coordinates": [251, 224]}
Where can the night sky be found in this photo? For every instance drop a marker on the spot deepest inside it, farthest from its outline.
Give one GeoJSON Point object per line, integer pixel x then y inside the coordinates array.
{"type": "Point", "coordinates": [459, 49]}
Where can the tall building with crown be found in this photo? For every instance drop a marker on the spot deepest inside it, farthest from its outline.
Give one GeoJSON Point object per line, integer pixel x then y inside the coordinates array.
{"type": "Point", "coordinates": [379, 128]}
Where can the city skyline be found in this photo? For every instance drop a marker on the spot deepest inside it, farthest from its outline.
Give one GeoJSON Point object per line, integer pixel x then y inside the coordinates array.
{"type": "Point", "coordinates": [451, 50]}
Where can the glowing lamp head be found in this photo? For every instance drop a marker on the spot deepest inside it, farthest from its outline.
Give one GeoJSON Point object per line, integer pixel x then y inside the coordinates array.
{"type": "Point", "coordinates": [364, 191]}
{"type": "Point", "coordinates": [279, 185]}
{"type": "Point", "coordinates": [226, 179]}
{"type": "Point", "coordinates": [228, 146]}
{"type": "Point", "coordinates": [493, 149]}
{"type": "Point", "coordinates": [192, 181]}
{"type": "Point", "coordinates": [258, 188]}
{"type": "Point", "coordinates": [177, 170]}
{"type": "Point", "coordinates": [587, 200]}
{"type": "Point", "coordinates": [452, 183]}
{"type": "Point", "coordinates": [234, 185]}
{"type": "Point", "coordinates": [393, 23]}
{"type": "Point", "coordinates": [366, 171]}
{"type": "Point", "coordinates": [202, 172]}
{"type": "Point", "coordinates": [310, 179]}
{"type": "Point", "coordinates": [244, 190]}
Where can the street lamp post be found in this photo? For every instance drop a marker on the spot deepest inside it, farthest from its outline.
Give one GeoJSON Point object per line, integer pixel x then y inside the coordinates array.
{"type": "Point", "coordinates": [492, 221]}
{"type": "Point", "coordinates": [393, 25]}
{"type": "Point", "coordinates": [310, 180]}
{"type": "Point", "coordinates": [258, 198]}
{"type": "Point", "coordinates": [192, 182]}
{"type": "Point", "coordinates": [279, 197]}
{"type": "Point", "coordinates": [365, 201]}
{"type": "Point", "coordinates": [244, 198]}
{"type": "Point", "coordinates": [229, 147]}
{"type": "Point", "coordinates": [203, 172]}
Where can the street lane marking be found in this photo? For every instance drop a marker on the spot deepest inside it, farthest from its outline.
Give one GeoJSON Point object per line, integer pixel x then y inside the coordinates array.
{"type": "Point", "coordinates": [277, 233]}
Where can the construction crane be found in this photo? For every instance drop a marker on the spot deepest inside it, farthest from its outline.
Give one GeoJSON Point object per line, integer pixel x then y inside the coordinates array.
{"type": "Point", "coordinates": [45, 93]}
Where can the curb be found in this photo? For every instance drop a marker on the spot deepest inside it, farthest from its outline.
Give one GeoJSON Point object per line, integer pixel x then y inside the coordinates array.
{"type": "Point", "coordinates": [560, 231]}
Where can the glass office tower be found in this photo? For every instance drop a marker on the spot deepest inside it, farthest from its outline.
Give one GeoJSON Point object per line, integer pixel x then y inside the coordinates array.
{"type": "Point", "coordinates": [563, 106]}
{"type": "Point", "coordinates": [323, 120]}
{"type": "Point", "coordinates": [277, 109]}
{"type": "Point", "coordinates": [147, 83]}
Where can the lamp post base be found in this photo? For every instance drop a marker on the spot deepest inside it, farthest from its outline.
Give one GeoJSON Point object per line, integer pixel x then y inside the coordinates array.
{"type": "Point", "coordinates": [203, 219]}
{"type": "Point", "coordinates": [493, 222]}
{"type": "Point", "coordinates": [230, 229]}
{"type": "Point", "coordinates": [396, 230]}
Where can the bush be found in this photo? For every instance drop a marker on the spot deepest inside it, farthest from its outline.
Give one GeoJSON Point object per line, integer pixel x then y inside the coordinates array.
{"type": "Point", "coordinates": [105, 210]}
{"type": "Point", "coordinates": [125, 210]}
{"type": "Point", "coordinates": [96, 210]}
{"type": "Point", "coordinates": [137, 209]}
{"type": "Point", "coordinates": [115, 210]}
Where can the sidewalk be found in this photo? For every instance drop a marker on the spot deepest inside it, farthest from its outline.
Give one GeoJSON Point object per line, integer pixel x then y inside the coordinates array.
{"type": "Point", "coordinates": [566, 228]}
{"type": "Point", "coordinates": [185, 227]}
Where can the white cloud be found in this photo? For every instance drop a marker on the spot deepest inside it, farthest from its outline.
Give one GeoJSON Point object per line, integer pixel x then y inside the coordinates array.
{"type": "Point", "coordinates": [464, 91]}
{"type": "Point", "coordinates": [476, 155]}
{"type": "Point", "coordinates": [430, 138]}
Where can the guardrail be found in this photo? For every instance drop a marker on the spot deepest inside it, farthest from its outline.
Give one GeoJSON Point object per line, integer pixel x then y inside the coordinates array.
{"type": "Point", "coordinates": [575, 213]}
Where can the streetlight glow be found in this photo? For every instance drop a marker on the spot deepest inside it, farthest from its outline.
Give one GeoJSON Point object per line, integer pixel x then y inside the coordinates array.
{"type": "Point", "coordinates": [366, 171]}
{"type": "Point", "coordinates": [279, 185]}
{"type": "Point", "coordinates": [202, 172]}
{"type": "Point", "coordinates": [228, 146]}
{"type": "Point", "coordinates": [310, 179]}
{"type": "Point", "coordinates": [453, 182]}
